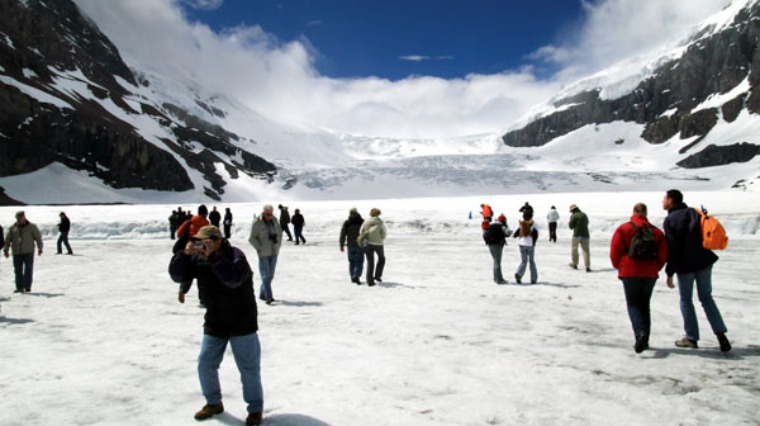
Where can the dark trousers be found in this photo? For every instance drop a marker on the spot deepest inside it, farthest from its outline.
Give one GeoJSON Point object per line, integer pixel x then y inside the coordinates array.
{"type": "Point", "coordinates": [227, 229]}
{"type": "Point", "coordinates": [23, 265]}
{"type": "Point", "coordinates": [298, 231]}
{"type": "Point", "coordinates": [372, 270]}
{"type": "Point", "coordinates": [63, 238]}
{"type": "Point", "coordinates": [638, 292]}
{"type": "Point", "coordinates": [286, 230]}
{"type": "Point", "coordinates": [553, 231]}
{"type": "Point", "coordinates": [172, 232]}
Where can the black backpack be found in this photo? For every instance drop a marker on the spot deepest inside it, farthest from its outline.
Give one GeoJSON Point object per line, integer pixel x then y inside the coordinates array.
{"type": "Point", "coordinates": [494, 234]}
{"type": "Point", "coordinates": [643, 246]}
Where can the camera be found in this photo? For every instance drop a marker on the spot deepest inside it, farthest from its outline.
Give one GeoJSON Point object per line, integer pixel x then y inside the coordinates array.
{"type": "Point", "coordinates": [273, 238]}
{"type": "Point", "coordinates": [198, 244]}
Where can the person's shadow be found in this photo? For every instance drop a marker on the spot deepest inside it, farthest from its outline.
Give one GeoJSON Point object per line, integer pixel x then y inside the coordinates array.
{"type": "Point", "coordinates": [13, 321]}
{"type": "Point", "coordinates": [736, 353]}
{"type": "Point", "coordinates": [275, 419]}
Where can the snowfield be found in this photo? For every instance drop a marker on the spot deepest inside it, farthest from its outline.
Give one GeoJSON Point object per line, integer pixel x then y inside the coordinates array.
{"type": "Point", "coordinates": [102, 340]}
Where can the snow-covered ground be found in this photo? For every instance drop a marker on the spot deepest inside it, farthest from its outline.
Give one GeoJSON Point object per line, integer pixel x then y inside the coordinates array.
{"type": "Point", "coordinates": [101, 340]}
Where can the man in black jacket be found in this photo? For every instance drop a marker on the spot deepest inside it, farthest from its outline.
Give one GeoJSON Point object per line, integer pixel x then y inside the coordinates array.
{"type": "Point", "coordinates": [348, 234]}
{"type": "Point", "coordinates": [691, 262]}
{"type": "Point", "coordinates": [63, 234]}
{"type": "Point", "coordinates": [225, 282]}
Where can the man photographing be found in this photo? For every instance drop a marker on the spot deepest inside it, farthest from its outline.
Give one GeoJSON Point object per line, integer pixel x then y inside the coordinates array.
{"type": "Point", "coordinates": [225, 283]}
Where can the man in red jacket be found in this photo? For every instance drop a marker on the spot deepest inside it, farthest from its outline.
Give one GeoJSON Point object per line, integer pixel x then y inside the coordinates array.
{"type": "Point", "coordinates": [638, 268]}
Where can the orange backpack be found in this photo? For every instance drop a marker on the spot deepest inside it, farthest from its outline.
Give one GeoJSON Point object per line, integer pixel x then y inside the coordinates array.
{"type": "Point", "coordinates": [713, 233]}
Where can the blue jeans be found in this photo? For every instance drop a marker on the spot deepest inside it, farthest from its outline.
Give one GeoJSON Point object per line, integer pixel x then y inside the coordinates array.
{"type": "Point", "coordinates": [355, 261]}
{"type": "Point", "coordinates": [496, 251]}
{"type": "Point", "coordinates": [23, 265]}
{"type": "Point", "coordinates": [267, 265]}
{"type": "Point", "coordinates": [638, 293]}
{"type": "Point", "coordinates": [247, 352]}
{"type": "Point", "coordinates": [526, 257]}
{"type": "Point", "coordinates": [703, 277]}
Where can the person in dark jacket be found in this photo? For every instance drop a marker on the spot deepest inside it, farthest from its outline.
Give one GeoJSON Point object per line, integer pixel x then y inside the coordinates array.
{"type": "Point", "coordinates": [579, 224]}
{"type": "Point", "coordinates": [691, 263]}
{"type": "Point", "coordinates": [348, 235]}
{"type": "Point", "coordinates": [638, 275]}
{"type": "Point", "coordinates": [527, 211]}
{"type": "Point", "coordinates": [495, 238]}
{"type": "Point", "coordinates": [64, 226]}
{"type": "Point", "coordinates": [175, 219]}
{"type": "Point", "coordinates": [214, 217]}
{"type": "Point", "coordinates": [285, 220]}
{"type": "Point", "coordinates": [227, 223]}
{"type": "Point", "coordinates": [226, 280]}
{"type": "Point", "coordinates": [298, 222]}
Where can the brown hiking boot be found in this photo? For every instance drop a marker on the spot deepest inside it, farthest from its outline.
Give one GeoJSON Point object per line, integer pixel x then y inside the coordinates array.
{"type": "Point", "coordinates": [687, 343]}
{"type": "Point", "coordinates": [209, 410]}
{"type": "Point", "coordinates": [253, 419]}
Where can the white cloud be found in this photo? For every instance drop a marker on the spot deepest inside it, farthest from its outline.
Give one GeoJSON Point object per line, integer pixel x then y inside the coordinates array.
{"type": "Point", "coordinates": [616, 29]}
{"type": "Point", "coordinates": [279, 79]}
{"type": "Point", "coordinates": [414, 58]}
{"type": "Point", "coordinates": [204, 4]}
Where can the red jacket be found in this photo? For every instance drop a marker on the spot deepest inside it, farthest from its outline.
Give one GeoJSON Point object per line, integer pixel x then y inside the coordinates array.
{"type": "Point", "coordinates": [628, 267]}
{"type": "Point", "coordinates": [193, 225]}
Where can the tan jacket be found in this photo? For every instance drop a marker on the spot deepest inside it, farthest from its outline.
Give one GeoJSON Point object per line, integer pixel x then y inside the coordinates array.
{"type": "Point", "coordinates": [21, 238]}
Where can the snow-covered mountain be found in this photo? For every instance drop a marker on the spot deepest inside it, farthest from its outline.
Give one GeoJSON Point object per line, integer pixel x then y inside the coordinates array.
{"type": "Point", "coordinates": [699, 98]}
{"type": "Point", "coordinates": [79, 125]}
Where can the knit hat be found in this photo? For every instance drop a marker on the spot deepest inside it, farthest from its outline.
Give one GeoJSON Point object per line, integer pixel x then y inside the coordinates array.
{"type": "Point", "coordinates": [353, 210]}
{"type": "Point", "coordinates": [19, 214]}
{"type": "Point", "coordinates": [502, 218]}
{"type": "Point", "coordinates": [208, 231]}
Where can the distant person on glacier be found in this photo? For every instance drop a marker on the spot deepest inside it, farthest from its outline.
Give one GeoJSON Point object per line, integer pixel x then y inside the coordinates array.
{"type": "Point", "coordinates": [527, 236]}
{"type": "Point", "coordinates": [215, 217]}
{"type": "Point", "coordinates": [266, 238]}
{"type": "Point", "coordinates": [175, 219]}
{"type": "Point", "coordinates": [495, 236]}
{"type": "Point", "coordinates": [691, 263]}
{"type": "Point", "coordinates": [371, 238]}
{"type": "Point", "coordinates": [21, 238]}
{"type": "Point", "coordinates": [486, 212]}
{"type": "Point", "coordinates": [527, 211]}
{"type": "Point", "coordinates": [638, 251]}
{"type": "Point", "coordinates": [285, 220]}
{"type": "Point", "coordinates": [349, 233]}
{"type": "Point", "coordinates": [64, 226]}
{"type": "Point", "coordinates": [579, 224]}
{"type": "Point", "coordinates": [227, 223]}
{"type": "Point", "coordinates": [552, 217]}
{"type": "Point", "coordinates": [298, 222]}
{"type": "Point", "coordinates": [226, 280]}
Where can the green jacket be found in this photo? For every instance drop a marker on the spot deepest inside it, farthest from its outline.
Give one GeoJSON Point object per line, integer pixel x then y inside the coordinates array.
{"type": "Point", "coordinates": [21, 238]}
{"type": "Point", "coordinates": [579, 224]}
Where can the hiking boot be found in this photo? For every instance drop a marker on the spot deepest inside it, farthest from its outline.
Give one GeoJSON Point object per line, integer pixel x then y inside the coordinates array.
{"type": "Point", "coordinates": [725, 345]}
{"type": "Point", "coordinates": [501, 282]}
{"type": "Point", "coordinates": [378, 279]}
{"type": "Point", "coordinates": [517, 278]}
{"type": "Point", "coordinates": [588, 269]}
{"type": "Point", "coordinates": [371, 283]}
{"type": "Point", "coordinates": [573, 266]}
{"type": "Point", "coordinates": [209, 410]}
{"type": "Point", "coordinates": [686, 343]}
{"type": "Point", "coordinates": [253, 419]}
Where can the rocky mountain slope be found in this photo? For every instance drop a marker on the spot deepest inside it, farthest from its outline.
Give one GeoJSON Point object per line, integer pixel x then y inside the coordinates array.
{"type": "Point", "coordinates": [713, 78]}
{"type": "Point", "coordinates": [66, 96]}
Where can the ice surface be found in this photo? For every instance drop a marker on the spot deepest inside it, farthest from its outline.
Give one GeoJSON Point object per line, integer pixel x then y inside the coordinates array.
{"type": "Point", "coordinates": [101, 340]}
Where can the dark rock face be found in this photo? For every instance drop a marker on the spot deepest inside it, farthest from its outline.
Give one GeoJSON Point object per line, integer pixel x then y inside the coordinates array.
{"type": "Point", "coordinates": [721, 155]}
{"type": "Point", "coordinates": [41, 122]}
{"type": "Point", "coordinates": [713, 64]}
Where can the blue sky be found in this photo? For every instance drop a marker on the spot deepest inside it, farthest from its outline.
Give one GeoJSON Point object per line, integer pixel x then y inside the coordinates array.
{"type": "Point", "coordinates": [397, 38]}
{"type": "Point", "coordinates": [340, 64]}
